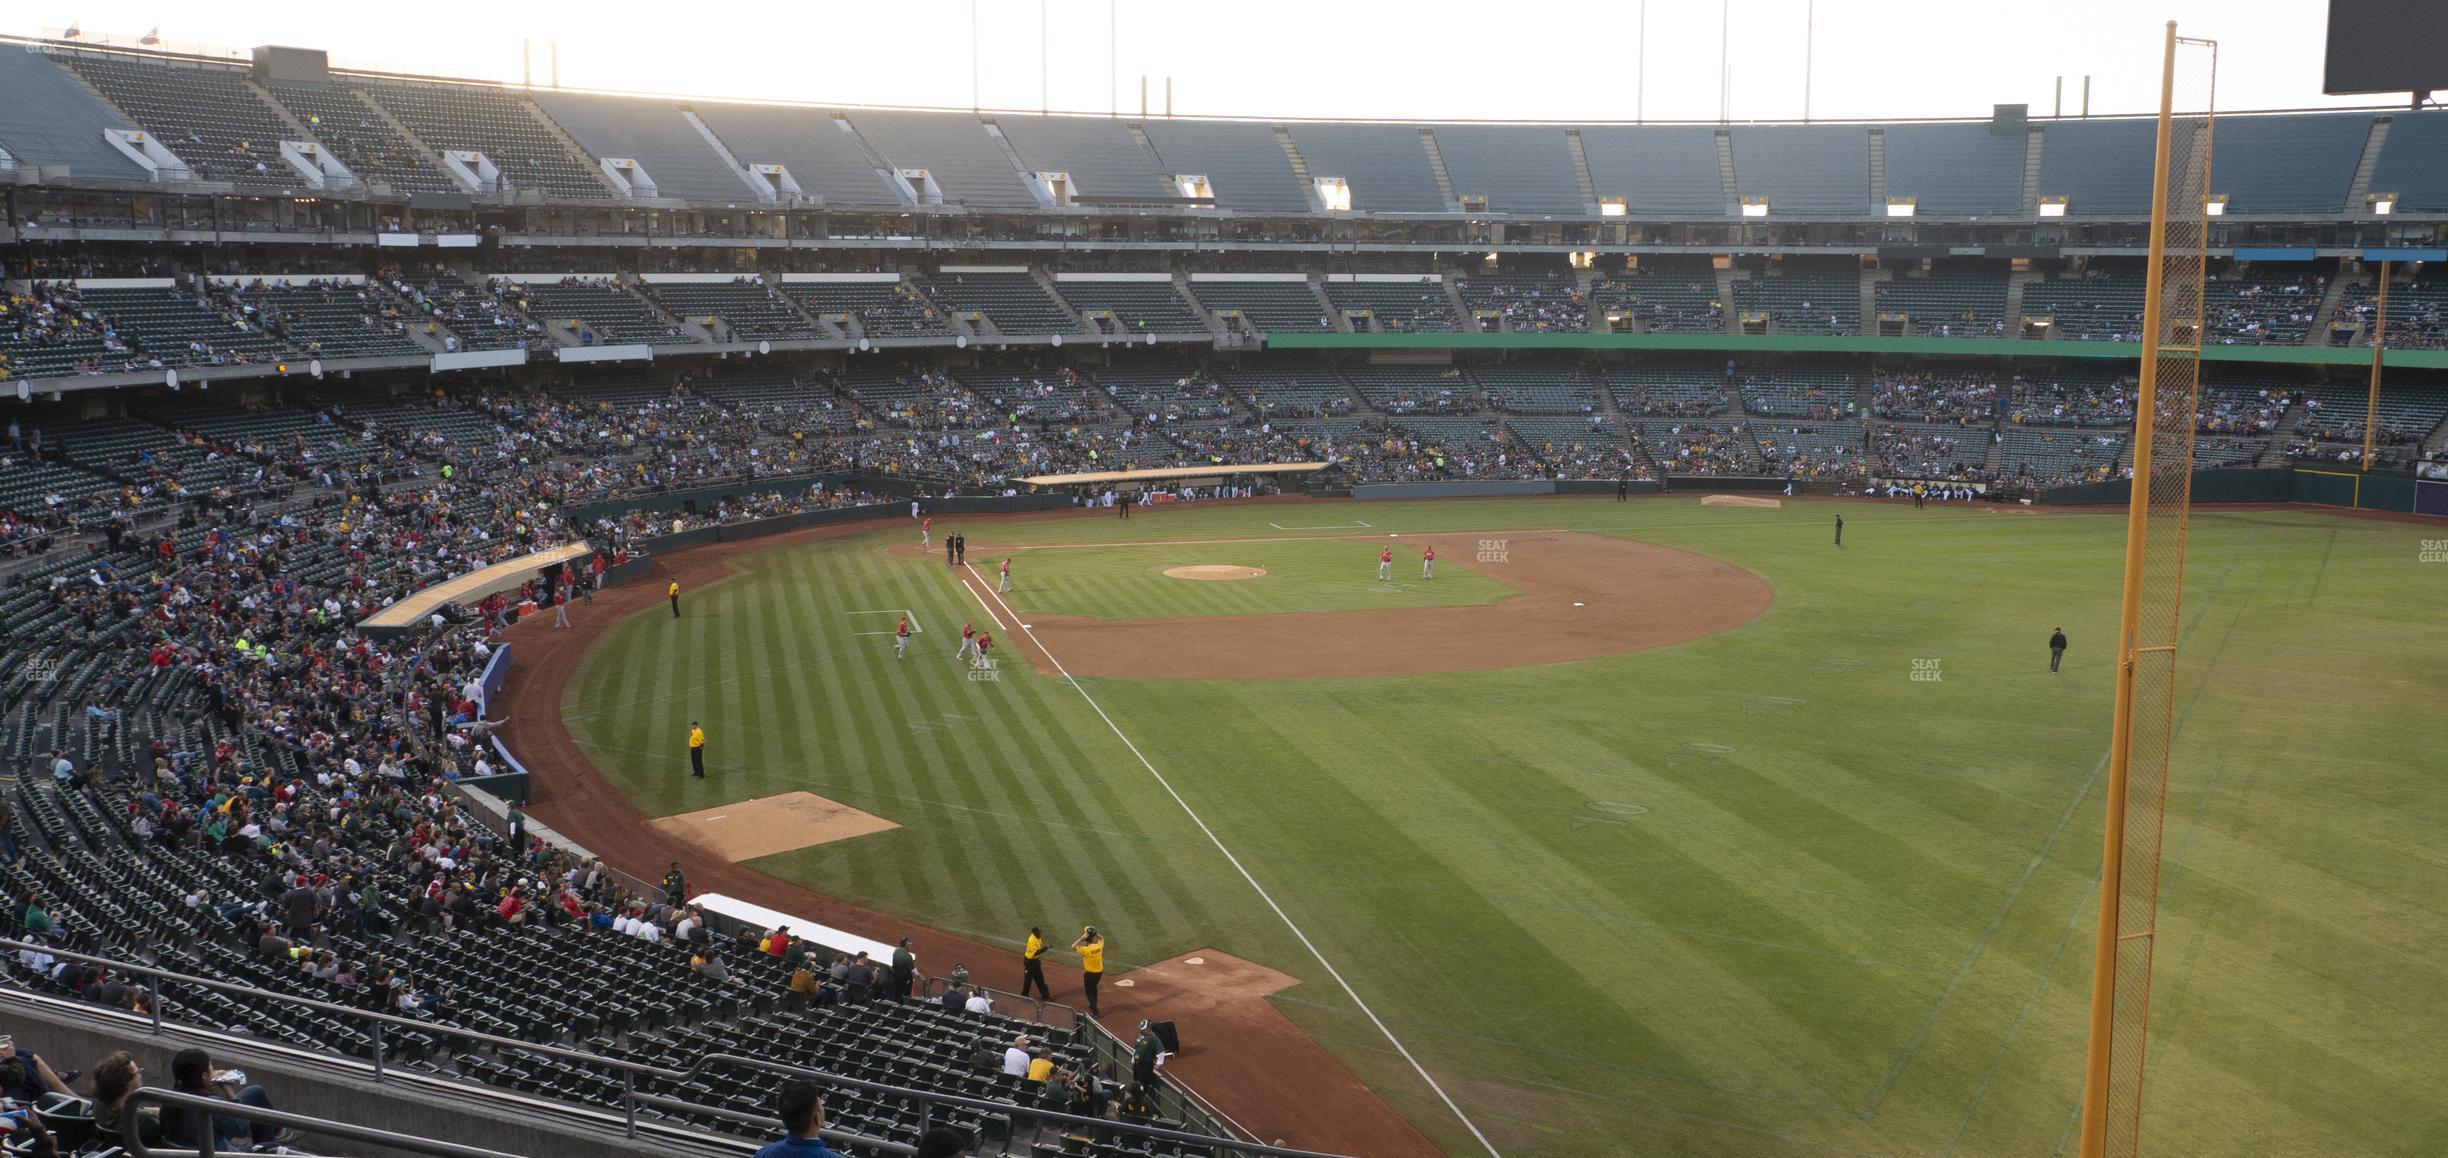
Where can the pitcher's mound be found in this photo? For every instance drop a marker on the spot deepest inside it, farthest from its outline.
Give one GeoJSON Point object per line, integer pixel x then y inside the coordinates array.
{"type": "Point", "coordinates": [1213, 571]}
{"type": "Point", "coordinates": [749, 829]}
{"type": "Point", "coordinates": [1739, 501]}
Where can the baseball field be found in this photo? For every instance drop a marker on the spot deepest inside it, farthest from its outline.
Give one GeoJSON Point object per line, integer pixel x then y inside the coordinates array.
{"type": "Point", "coordinates": [1644, 827]}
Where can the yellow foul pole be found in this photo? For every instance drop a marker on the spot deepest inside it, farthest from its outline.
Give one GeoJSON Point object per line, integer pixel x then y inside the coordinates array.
{"type": "Point", "coordinates": [2371, 413]}
{"type": "Point", "coordinates": [2120, 762]}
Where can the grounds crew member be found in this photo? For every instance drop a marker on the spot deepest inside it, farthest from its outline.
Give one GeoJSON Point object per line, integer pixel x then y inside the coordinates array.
{"type": "Point", "coordinates": [696, 750]}
{"type": "Point", "coordinates": [1032, 965]}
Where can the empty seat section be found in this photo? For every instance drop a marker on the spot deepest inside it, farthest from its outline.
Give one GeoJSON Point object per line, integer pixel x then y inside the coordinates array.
{"type": "Point", "coordinates": [750, 310]}
{"type": "Point", "coordinates": [877, 309]}
{"type": "Point", "coordinates": [1098, 153]}
{"type": "Point", "coordinates": [1517, 168]}
{"type": "Point", "coordinates": [2287, 164]}
{"type": "Point", "coordinates": [653, 133]}
{"type": "Point", "coordinates": [1014, 302]}
{"type": "Point", "coordinates": [965, 163]}
{"type": "Point", "coordinates": [822, 155]}
{"type": "Point", "coordinates": [491, 120]}
{"type": "Point", "coordinates": [2099, 167]}
{"type": "Point", "coordinates": [1662, 170]}
{"type": "Point", "coordinates": [1386, 165]}
{"type": "Point", "coordinates": [361, 139]}
{"type": "Point", "coordinates": [49, 119]}
{"type": "Point", "coordinates": [1402, 305]}
{"type": "Point", "coordinates": [1242, 162]}
{"type": "Point", "coordinates": [1817, 169]}
{"type": "Point", "coordinates": [1141, 307]}
{"type": "Point", "coordinates": [1955, 170]}
{"type": "Point", "coordinates": [1285, 305]}
{"type": "Point", "coordinates": [208, 116]}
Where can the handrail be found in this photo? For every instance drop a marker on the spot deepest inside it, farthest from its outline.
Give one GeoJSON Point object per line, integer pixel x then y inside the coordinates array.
{"type": "Point", "coordinates": [632, 1070]}
{"type": "Point", "coordinates": [207, 1108]}
{"type": "Point", "coordinates": [762, 1122]}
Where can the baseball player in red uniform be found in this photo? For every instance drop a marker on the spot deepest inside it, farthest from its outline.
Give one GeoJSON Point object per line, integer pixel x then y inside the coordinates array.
{"type": "Point", "coordinates": [901, 639]}
{"type": "Point", "coordinates": [968, 642]}
{"type": "Point", "coordinates": [985, 643]}
{"type": "Point", "coordinates": [1006, 569]}
{"type": "Point", "coordinates": [926, 531]}
{"type": "Point", "coordinates": [1385, 564]}
{"type": "Point", "coordinates": [1428, 563]}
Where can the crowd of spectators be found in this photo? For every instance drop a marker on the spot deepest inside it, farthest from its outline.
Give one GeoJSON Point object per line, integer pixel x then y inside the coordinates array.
{"type": "Point", "coordinates": [1906, 452]}
{"type": "Point", "coordinates": [2072, 403]}
{"type": "Point", "coordinates": [1935, 397]}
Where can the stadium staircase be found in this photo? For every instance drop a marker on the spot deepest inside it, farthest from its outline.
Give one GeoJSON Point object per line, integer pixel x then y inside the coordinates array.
{"type": "Point", "coordinates": [1444, 181]}
{"type": "Point", "coordinates": [1725, 289]}
{"type": "Point", "coordinates": [2015, 281]}
{"type": "Point", "coordinates": [1461, 309]}
{"type": "Point", "coordinates": [1300, 168]}
{"type": "Point", "coordinates": [2360, 187]}
{"type": "Point", "coordinates": [1878, 183]}
{"type": "Point", "coordinates": [1869, 289]}
{"type": "Point", "coordinates": [2032, 144]}
{"type": "Point", "coordinates": [2326, 315]}
{"type": "Point", "coordinates": [1581, 176]}
{"type": "Point", "coordinates": [1725, 168]}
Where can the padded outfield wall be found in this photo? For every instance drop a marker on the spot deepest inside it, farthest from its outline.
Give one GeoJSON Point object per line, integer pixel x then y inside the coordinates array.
{"type": "Point", "coordinates": [2402, 494]}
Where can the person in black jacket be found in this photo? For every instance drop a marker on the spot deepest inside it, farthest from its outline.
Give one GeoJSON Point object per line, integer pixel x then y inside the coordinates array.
{"type": "Point", "coordinates": [2057, 643]}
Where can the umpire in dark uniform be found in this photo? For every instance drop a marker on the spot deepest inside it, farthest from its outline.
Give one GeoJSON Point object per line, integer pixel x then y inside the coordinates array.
{"type": "Point", "coordinates": [2056, 647]}
{"type": "Point", "coordinates": [1840, 530]}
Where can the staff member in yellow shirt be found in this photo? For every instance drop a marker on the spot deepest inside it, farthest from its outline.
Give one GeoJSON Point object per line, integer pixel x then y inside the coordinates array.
{"type": "Point", "coordinates": [1032, 965]}
{"type": "Point", "coordinates": [696, 750]}
{"type": "Point", "coordinates": [674, 592]}
{"type": "Point", "coordinates": [1091, 948]}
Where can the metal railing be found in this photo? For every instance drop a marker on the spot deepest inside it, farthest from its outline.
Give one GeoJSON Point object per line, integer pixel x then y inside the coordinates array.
{"type": "Point", "coordinates": [205, 1109]}
{"type": "Point", "coordinates": [630, 1071]}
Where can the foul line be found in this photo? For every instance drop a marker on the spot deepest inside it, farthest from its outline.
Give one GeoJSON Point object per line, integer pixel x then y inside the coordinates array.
{"type": "Point", "coordinates": [981, 601]}
{"type": "Point", "coordinates": [1270, 539]}
{"type": "Point", "coordinates": [1355, 523]}
{"type": "Point", "coordinates": [1263, 895]}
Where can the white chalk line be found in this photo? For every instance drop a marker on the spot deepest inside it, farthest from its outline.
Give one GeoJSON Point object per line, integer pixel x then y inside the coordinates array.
{"type": "Point", "coordinates": [1270, 539]}
{"type": "Point", "coordinates": [916, 628]}
{"type": "Point", "coordinates": [1261, 890]}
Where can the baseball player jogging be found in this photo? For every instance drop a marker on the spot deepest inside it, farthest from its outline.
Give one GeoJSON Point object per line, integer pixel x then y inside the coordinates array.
{"type": "Point", "coordinates": [926, 531]}
{"type": "Point", "coordinates": [968, 644]}
{"type": "Point", "coordinates": [901, 639]}
{"type": "Point", "coordinates": [1428, 563]}
{"type": "Point", "coordinates": [1385, 564]}
{"type": "Point", "coordinates": [1006, 571]}
{"type": "Point", "coordinates": [985, 644]}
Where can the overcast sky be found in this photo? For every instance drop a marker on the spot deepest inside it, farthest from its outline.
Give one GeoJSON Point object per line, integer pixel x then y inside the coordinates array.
{"type": "Point", "coordinates": [1395, 59]}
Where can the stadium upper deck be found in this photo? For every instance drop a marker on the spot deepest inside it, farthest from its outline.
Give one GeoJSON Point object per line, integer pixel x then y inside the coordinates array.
{"type": "Point", "coordinates": [81, 117]}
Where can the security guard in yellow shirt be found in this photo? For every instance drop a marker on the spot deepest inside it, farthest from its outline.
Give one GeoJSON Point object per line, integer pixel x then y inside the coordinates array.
{"type": "Point", "coordinates": [674, 592]}
{"type": "Point", "coordinates": [1032, 965]}
{"type": "Point", "coordinates": [1091, 947]}
{"type": "Point", "coordinates": [696, 750]}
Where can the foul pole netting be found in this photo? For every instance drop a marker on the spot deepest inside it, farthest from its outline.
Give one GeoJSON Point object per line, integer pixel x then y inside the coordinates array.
{"type": "Point", "coordinates": [2154, 583]}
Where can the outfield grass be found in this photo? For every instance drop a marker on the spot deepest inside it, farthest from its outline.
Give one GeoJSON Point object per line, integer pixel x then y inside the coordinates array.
{"type": "Point", "coordinates": [1118, 582]}
{"type": "Point", "coordinates": [1763, 893]}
